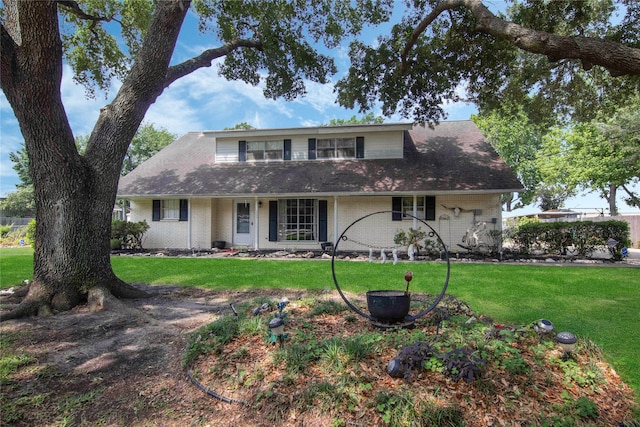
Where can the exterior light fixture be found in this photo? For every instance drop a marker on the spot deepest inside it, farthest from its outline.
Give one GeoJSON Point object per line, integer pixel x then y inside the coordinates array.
{"type": "Point", "coordinates": [543, 326]}
{"type": "Point", "coordinates": [567, 342]}
{"type": "Point", "coordinates": [276, 327]}
{"type": "Point", "coordinates": [394, 368]}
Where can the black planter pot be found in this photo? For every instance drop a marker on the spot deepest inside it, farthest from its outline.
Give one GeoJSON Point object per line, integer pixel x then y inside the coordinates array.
{"type": "Point", "coordinates": [219, 244]}
{"type": "Point", "coordinates": [388, 306]}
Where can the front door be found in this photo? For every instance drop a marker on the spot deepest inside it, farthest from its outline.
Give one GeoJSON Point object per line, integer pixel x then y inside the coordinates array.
{"type": "Point", "coordinates": [243, 224]}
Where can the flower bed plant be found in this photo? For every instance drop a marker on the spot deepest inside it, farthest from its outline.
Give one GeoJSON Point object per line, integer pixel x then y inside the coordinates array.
{"type": "Point", "coordinates": [459, 369]}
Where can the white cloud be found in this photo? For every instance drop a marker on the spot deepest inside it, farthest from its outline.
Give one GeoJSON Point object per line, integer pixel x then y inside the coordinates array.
{"type": "Point", "coordinates": [320, 97]}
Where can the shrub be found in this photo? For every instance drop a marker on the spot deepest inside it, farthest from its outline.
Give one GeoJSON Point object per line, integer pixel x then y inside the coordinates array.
{"type": "Point", "coordinates": [4, 230]}
{"type": "Point", "coordinates": [13, 237]}
{"type": "Point", "coordinates": [115, 244]}
{"type": "Point", "coordinates": [129, 234]}
{"type": "Point", "coordinates": [413, 237]}
{"type": "Point", "coordinates": [30, 235]}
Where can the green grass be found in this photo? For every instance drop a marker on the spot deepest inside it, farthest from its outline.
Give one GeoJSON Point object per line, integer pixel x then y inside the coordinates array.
{"type": "Point", "coordinates": [16, 265]}
{"type": "Point", "coordinates": [600, 303]}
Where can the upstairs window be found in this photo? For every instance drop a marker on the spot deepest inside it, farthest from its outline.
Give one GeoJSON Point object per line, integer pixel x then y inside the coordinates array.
{"type": "Point", "coordinates": [336, 148]}
{"type": "Point", "coordinates": [265, 150]}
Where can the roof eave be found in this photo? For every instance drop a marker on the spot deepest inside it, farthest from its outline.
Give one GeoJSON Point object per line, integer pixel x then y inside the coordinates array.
{"type": "Point", "coordinates": [319, 194]}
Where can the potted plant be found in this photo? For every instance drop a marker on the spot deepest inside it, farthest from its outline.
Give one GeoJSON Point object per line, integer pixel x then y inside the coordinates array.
{"type": "Point", "coordinates": [390, 305]}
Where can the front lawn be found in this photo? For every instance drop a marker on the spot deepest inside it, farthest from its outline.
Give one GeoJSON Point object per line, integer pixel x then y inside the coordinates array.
{"type": "Point", "coordinates": [596, 302]}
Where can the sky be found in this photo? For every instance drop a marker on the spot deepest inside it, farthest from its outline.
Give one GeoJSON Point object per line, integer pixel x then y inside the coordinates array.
{"type": "Point", "coordinates": [205, 101]}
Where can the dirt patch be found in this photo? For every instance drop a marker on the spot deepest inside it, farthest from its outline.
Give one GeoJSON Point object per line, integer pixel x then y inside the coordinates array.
{"type": "Point", "coordinates": [111, 368]}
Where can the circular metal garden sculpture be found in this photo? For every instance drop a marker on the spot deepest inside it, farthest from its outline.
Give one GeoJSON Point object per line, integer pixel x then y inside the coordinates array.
{"type": "Point", "coordinates": [389, 308]}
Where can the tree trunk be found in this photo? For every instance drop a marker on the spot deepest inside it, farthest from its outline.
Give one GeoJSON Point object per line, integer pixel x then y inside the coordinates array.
{"type": "Point", "coordinates": [613, 208]}
{"type": "Point", "coordinates": [74, 193]}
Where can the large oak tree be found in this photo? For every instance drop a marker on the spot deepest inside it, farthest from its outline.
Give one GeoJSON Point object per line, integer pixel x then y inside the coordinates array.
{"type": "Point", "coordinates": [261, 41]}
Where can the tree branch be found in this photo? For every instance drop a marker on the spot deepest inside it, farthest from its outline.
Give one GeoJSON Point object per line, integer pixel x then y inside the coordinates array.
{"type": "Point", "coordinates": [206, 58]}
{"type": "Point", "coordinates": [617, 58]}
{"type": "Point", "coordinates": [632, 196]}
{"type": "Point", "coordinates": [424, 24]}
{"type": "Point", "coordinates": [8, 49]}
{"type": "Point", "coordinates": [74, 7]}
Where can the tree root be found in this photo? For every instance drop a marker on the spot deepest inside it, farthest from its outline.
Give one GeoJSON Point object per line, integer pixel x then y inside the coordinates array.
{"type": "Point", "coordinates": [100, 298]}
{"type": "Point", "coordinates": [40, 301]}
{"type": "Point", "coordinates": [121, 289]}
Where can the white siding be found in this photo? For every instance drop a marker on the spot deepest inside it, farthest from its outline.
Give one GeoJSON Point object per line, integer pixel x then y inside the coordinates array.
{"type": "Point", "coordinates": [161, 234]}
{"type": "Point", "coordinates": [383, 145]}
{"type": "Point", "coordinates": [377, 145]}
{"type": "Point", "coordinates": [200, 217]}
{"type": "Point", "coordinates": [212, 219]}
{"type": "Point", "coordinates": [222, 221]}
{"type": "Point", "coordinates": [299, 148]}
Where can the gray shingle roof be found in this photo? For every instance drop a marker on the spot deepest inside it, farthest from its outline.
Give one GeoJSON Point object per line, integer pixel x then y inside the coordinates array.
{"type": "Point", "coordinates": [453, 157]}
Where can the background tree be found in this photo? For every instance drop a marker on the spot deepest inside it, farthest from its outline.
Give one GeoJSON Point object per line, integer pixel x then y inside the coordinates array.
{"type": "Point", "coordinates": [367, 119]}
{"type": "Point", "coordinates": [20, 161]}
{"type": "Point", "coordinates": [241, 125]}
{"type": "Point", "coordinates": [517, 140]}
{"type": "Point", "coordinates": [551, 197]}
{"type": "Point", "coordinates": [556, 58]}
{"type": "Point", "coordinates": [20, 203]}
{"type": "Point", "coordinates": [266, 42]}
{"type": "Point", "coordinates": [622, 131]}
{"type": "Point", "coordinates": [595, 156]}
{"type": "Point", "coordinates": [147, 141]}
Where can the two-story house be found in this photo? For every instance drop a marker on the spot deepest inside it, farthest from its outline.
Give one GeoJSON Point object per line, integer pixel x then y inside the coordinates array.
{"type": "Point", "coordinates": [300, 187]}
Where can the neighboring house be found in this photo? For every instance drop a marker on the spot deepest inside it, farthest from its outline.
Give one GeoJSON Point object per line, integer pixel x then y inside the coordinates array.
{"type": "Point", "coordinates": [298, 188]}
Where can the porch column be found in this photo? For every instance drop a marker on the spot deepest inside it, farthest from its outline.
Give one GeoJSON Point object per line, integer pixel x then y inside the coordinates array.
{"type": "Point", "coordinates": [189, 222]}
{"type": "Point", "coordinates": [415, 212]}
{"type": "Point", "coordinates": [335, 221]}
{"type": "Point", "coordinates": [256, 227]}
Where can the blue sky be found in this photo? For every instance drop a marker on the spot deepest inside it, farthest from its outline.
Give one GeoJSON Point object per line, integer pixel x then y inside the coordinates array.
{"type": "Point", "coordinates": [204, 101]}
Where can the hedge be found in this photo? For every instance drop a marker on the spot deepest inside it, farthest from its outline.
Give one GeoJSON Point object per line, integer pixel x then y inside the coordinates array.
{"type": "Point", "coordinates": [583, 236]}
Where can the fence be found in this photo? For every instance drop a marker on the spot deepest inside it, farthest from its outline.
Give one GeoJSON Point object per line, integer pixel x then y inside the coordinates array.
{"type": "Point", "coordinates": [15, 222]}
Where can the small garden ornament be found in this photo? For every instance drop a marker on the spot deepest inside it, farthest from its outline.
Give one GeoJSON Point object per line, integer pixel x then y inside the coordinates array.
{"type": "Point", "coordinates": [408, 276]}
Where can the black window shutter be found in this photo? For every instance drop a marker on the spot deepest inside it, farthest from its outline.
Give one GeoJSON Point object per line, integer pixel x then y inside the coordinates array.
{"type": "Point", "coordinates": [273, 220]}
{"type": "Point", "coordinates": [287, 149]}
{"type": "Point", "coordinates": [396, 207]}
{"type": "Point", "coordinates": [322, 220]}
{"type": "Point", "coordinates": [430, 208]}
{"type": "Point", "coordinates": [155, 216]}
{"type": "Point", "coordinates": [312, 148]}
{"type": "Point", "coordinates": [184, 210]}
{"type": "Point", "coordinates": [242, 151]}
{"type": "Point", "coordinates": [360, 147]}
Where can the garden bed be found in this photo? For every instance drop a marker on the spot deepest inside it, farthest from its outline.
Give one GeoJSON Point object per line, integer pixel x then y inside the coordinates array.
{"type": "Point", "coordinates": [459, 370]}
